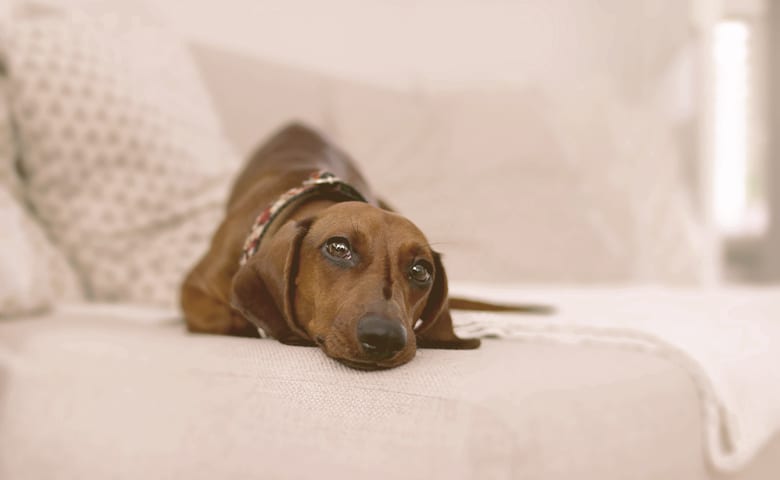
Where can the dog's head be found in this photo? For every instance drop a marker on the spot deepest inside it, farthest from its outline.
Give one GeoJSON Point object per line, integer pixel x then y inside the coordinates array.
{"type": "Point", "coordinates": [358, 281]}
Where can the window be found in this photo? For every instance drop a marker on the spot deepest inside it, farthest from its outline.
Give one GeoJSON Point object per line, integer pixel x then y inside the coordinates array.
{"type": "Point", "coordinates": [739, 190]}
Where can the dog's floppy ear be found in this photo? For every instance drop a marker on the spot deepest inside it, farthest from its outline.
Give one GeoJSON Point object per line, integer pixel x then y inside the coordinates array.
{"type": "Point", "coordinates": [435, 330]}
{"type": "Point", "coordinates": [264, 287]}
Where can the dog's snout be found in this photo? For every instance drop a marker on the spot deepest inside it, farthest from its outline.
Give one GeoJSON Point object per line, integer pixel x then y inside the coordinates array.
{"type": "Point", "coordinates": [381, 337]}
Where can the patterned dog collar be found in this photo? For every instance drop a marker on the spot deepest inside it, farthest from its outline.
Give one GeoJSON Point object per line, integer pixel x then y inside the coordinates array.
{"type": "Point", "coordinates": [319, 182]}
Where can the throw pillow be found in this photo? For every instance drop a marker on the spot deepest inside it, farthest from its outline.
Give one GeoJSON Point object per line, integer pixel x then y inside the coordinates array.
{"type": "Point", "coordinates": [124, 158]}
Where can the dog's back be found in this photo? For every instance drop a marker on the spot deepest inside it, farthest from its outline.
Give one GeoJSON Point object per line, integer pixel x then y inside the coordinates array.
{"type": "Point", "coordinates": [289, 156]}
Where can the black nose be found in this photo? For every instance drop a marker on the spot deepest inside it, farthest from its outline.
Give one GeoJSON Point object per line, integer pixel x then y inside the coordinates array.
{"type": "Point", "coordinates": [381, 337]}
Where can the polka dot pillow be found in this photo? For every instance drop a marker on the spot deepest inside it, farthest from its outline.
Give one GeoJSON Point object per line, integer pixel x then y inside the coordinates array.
{"type": "Point", "coordinates": [33, 272]}
{"type": "Point", "coordinates": [124, 158]}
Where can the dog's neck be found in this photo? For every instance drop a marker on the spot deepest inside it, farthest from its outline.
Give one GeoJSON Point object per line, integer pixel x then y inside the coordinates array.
{"type": "Point", "coordinates": [319, 185]}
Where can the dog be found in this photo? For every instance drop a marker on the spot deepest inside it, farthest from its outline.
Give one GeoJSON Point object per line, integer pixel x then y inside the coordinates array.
{"type": "Point", "coordinates": [308, 255]}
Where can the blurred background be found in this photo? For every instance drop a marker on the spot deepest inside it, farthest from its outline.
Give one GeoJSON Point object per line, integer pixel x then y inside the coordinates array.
{"type": "Point", "coordinates": [705, 67]}
{"type": "Point", "coordinates": [541, 141]}
{"type": "Point", "coordinates": [723, 67]}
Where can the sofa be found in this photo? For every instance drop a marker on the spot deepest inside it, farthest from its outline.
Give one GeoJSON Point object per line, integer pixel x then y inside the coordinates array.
{"type": "Point", "coordinates": [645, 370]}
{"type": "Point", "coordinates": [116, 391]}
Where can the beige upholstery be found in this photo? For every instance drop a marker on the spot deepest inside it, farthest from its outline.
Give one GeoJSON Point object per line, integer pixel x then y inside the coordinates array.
{"type": "Point", "coordinates": [97, 393]}
{"type": "Point", "coordinates": [98, 398]}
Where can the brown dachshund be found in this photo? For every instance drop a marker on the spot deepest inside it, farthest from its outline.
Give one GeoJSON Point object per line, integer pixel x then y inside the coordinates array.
{"type": "Point", "coordinates": [308, 255]}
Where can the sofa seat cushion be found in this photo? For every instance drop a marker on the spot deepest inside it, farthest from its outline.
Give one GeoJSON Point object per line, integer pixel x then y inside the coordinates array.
{"type": "Point", "coordinates": [94, 395]}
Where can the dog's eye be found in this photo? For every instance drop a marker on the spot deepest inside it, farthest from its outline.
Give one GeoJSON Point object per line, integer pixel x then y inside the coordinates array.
{"type": "Point", "coordinates": [338, 248]}
{"type": "Point", "coordinates": [420, 272]}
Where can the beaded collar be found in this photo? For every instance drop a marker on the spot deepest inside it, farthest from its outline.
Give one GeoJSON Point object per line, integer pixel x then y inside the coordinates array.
{"type": "Point", "coordinates": [318, 183]}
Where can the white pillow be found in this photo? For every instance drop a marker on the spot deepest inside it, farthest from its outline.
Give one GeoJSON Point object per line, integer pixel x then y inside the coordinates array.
{"type": "Point", "coordinates": [124, 157]}
{"type": "Point", "coordinates": [33, 274]}
{"type": "Point", "coordinates": [520, 185]}
{"type": "Point", "coordinates": [580, 178]}
{"type": "Point", "coordinates": [555, 143]}
{"type": "Point", "coordinates": [19, 289]}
